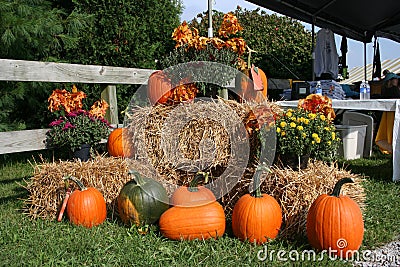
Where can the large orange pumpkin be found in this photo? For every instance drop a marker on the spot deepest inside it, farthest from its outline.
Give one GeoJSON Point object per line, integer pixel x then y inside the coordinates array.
{"type": "Point", "coordinates": [335, 223]}
{"type": "Point", "coordinates": [86, 206]}
{"type": "Point", "coordinates": [118, 144]}
{"type": "Point", "coordinates": [253, 85]}
{"type": "Point", "coordinates": [256, 217]}
{"type": "Point", "coordinates": [193, 195]}
{"type": "Point", "coordinates": [196, 222]}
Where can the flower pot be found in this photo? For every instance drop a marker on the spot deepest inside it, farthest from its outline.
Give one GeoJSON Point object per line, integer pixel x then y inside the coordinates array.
{"type": "Point", "coordinates": [293, 161]}
{"type": "Point", "coordinates": [82, 153]}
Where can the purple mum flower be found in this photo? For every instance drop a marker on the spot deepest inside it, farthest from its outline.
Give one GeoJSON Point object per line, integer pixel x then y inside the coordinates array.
{"type": "Point", "coordinates": [68, 125]}
{"type": "Point", "coordinates": [56, 122]}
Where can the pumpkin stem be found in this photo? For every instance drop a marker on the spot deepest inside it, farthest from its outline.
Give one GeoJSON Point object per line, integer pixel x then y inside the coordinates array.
{"type": "Point", "coordinates": [77, 181]}
{"type": "Point", "coordinates": [137, 177]}
{"type": "Point", "coordinates": [338, 186]}
{"type": "Point", "coordinates": [256, 180]}
{"type": "Point", "coordinates": [194, 183]}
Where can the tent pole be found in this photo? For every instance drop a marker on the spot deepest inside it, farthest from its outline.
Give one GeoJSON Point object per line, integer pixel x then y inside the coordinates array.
{"type": "Point", "coordinates": [312, 48]}
{"type": "Point", "coordinates": [365, 57]}
{"type": "Point", "coordinates": [210, 28]}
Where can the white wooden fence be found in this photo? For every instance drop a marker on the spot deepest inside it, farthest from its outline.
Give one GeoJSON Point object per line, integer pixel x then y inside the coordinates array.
{"type": "Point", "coordinates": [34, 71]}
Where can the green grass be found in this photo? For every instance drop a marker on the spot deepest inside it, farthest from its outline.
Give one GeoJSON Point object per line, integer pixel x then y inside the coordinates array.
{"type": "Point", "coordinates": [46, 243]}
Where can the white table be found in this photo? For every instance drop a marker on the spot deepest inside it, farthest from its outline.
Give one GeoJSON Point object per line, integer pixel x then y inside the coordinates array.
{"type": "Point", "coordinates": [371, 104]}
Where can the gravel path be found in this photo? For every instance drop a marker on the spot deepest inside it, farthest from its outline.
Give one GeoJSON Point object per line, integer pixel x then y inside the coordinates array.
{"type": "Point", "coordinates": [387, 255]}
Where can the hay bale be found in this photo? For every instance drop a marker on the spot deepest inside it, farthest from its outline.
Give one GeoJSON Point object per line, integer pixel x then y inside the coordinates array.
{"type": "Point", "coordinates": [47, 188]}
{"type": "Point", "coordinates": [180, 139]}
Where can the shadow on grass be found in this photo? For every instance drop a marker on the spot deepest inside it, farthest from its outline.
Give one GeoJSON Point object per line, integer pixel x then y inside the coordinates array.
{"type": "Point", "coordinates": [379, 167]}
{"type": "Point", "coordinates": [18, 193]}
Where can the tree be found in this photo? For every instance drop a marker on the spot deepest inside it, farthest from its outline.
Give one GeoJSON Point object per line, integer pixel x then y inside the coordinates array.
{"type": "Point", "coordinates": [282, 43]}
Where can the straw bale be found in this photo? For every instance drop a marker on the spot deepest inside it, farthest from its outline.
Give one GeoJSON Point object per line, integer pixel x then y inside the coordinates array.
{"type": "Point", "coordinates": [47, 188]}
{"type": "Point", "coordinates": [181, 139]}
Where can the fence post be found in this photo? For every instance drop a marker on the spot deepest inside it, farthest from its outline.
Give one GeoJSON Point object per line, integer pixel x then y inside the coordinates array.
{"type": "Point", "coordinates": [109, 94]}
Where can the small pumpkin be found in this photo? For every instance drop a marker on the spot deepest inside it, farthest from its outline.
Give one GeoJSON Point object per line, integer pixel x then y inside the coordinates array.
{"type": "Point", "coordinates": [141, 201]}
{"type": "Point", "coordinates": [86, 206]}
{"type": "Point", "coordinates": [193, 222]}
{"type": "Point", "coordinates": [335, 222]}
{"type": "Point", "coordinates": [193, 194]}
{"type": "Point", "coordinates": [253, 85]}
{"type": "Point", "coordinates": [117, 144]}
{"type": "Point", "coordinates": [256, 217]}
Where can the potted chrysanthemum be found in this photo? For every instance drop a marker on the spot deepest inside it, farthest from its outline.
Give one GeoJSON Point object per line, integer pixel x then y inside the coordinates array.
{"type": "Point", "coordinates": [76, 129]}
{"type": "Point", "coordinates": [307, 131]}
{"type": "Point", "coordinates": [227, 49]}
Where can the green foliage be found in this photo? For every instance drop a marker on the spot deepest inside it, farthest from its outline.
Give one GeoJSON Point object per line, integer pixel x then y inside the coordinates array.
{"type": "Point", "coordinates": [281, 43]}
{"type": "Point", "coordinates": [126, 33]}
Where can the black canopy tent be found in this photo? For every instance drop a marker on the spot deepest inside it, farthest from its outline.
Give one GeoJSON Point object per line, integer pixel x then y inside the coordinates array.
{"type": "Point", "coordinates": [356, 19]}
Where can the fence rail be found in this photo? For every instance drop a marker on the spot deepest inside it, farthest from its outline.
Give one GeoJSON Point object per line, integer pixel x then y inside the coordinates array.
{"type": "Point", "coordinates": [35, 71]}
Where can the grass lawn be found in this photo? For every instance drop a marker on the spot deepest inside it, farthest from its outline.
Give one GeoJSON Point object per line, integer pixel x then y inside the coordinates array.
{"type": "Point", "coordinates": [46, 243]}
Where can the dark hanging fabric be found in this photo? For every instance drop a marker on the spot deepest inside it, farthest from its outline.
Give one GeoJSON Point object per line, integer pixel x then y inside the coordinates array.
{"type": "Point", "coordinates": [376, 66]}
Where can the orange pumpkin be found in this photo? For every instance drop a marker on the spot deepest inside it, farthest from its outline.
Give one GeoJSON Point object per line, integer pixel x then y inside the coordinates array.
{"type": "Point", "coordinates": [118, 144]}
{"type": "Point", "coordinates": [159, 88]}
{"type": "Point", "coordinates": [86, 206]}
{"type": "Point", "coordinates": [335, 223]}
{"type": "Point", "coordinates": [195, 222]}
{"type": "Point", "coordinates": [193, 195]}
{"type": "Point", "coordinates": [256, 217]}
{"type": "Point", "coordinates": [253, 85]}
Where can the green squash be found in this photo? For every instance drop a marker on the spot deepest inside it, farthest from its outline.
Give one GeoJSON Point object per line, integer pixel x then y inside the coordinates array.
{"type": "Point", "coordinates": [142, 201]}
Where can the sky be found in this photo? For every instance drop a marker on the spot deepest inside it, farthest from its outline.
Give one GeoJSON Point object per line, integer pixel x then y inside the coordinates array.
{"type": "Point", "coordinates": [355, 55]}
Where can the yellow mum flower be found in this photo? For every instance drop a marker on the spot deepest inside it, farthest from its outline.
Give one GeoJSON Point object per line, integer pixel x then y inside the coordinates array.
{"type": "Point", "coordinates": [283, 124]}
{"type": "Point", "coordinates": [333, 135]}
{"type": "Point", "coordinates": [278, 130]}
{"type": "Point", "coordinates": [306, 121]}
{"type": "Point", "coordinates": [289, 114]}
{"type": "Point", "coordinates": [293, 125]}
{"type": "Point", "coordinates": [314, 135]}
{"type": "Point", "coordinates": [283, 133]}
{"type": "Point", "coordinates": [327, 129]}
{"type": "Point", "coordinates": [322, 117]}
{"type": "Point", "coordinates": [318, 140]}
{"type": "Point", "coordinates": [312, 116]}
{"type": "Point", "coordinates": [300, 128]}
{"type": "Point", "coordinates": [329, 143]}
{"type": "Point", "coordinates": [303, 135]}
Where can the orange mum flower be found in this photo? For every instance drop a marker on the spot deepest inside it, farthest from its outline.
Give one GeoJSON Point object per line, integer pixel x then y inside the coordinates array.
{"type": "Point", "coordinates": [317, 103]}
{"type": "Point", "coordinates": [182, 34]}
{"type": "Point", "coordinates": [99, 108]}
{"type": "Point", "coordinates": [238, 45]}
{"type": "Point", "coordinates": [62, 99]}
{"type": "Point", "coordinates": [230, 25]}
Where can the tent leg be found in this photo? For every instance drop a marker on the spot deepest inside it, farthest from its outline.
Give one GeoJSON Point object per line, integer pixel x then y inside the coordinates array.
{"type": "Point", "coordinates": [365, 58]}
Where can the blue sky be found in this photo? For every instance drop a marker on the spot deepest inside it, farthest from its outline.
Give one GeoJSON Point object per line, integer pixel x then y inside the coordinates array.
{"type": "Point", "coordinates": [355, 56]}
